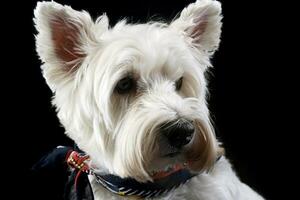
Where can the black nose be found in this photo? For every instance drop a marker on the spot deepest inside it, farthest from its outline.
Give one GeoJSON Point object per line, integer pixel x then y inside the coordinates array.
{"type": "Point", "coordinates": [179, 133]}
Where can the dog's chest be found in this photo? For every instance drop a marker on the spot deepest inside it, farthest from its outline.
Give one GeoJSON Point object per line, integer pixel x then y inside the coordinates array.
{"type": "Point", "coordinates": [220, 184]}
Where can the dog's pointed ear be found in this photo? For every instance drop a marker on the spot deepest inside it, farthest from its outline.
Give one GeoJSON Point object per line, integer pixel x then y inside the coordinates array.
{"type": "Point", "coordinates": [200, 23]}
{"type": "Point", "coordinates": [64, 39]}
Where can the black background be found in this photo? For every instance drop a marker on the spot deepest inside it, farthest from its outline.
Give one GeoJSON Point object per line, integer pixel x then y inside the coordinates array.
{"type": "Point", "coordinates": [245, 91]}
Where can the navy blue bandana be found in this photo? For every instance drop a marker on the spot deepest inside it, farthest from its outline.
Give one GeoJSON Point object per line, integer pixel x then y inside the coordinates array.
{"type": "Point", "coordinates": [132, 188]}
{"type": "Point", "coordinates": [78, 186]}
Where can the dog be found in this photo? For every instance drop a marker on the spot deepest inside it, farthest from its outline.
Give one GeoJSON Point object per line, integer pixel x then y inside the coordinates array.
{"type": "Point", "coordinates": [133, 98]}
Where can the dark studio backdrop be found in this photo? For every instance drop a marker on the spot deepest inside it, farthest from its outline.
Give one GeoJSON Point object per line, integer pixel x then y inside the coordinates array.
{"type": "Point", "coordinates": [241, 87]}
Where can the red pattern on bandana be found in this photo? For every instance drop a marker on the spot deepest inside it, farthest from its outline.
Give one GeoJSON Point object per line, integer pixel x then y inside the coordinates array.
{"type": "Point", "coordinates": [78, 162]}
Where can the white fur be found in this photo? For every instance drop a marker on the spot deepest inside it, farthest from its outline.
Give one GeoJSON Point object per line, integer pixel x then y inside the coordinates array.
{"type": "Point", "coordinates": [119, 132]}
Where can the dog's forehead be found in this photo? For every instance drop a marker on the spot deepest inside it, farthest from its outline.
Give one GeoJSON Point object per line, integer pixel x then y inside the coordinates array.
{"type": "Point", "coordinates": [148, 48]}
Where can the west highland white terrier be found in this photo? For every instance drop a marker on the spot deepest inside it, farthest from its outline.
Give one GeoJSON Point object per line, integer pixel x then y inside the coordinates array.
{"type": "Point", "coordinates": [133, 98]}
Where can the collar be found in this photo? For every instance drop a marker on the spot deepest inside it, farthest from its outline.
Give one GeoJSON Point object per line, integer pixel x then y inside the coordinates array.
{"type": "Point", "coordinates": [127, 186]}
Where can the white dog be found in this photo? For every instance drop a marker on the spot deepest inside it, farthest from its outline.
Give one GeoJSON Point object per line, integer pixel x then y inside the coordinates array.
{"type": "Point", "coordinates": [133, 98]}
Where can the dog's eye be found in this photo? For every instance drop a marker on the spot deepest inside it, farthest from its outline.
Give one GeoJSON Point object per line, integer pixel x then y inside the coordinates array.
{"type": "Point", "coordinates": [125, 85]}
{"type": "Point", "coordinates": [178, 83]}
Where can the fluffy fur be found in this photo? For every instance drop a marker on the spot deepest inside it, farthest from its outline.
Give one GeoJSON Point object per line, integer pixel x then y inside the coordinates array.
{"type": "Point", "coordinates": [83, 60]}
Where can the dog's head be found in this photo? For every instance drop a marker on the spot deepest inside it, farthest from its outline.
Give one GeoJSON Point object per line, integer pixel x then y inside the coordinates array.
{"type": "Point", "coordinates": [132, 96]}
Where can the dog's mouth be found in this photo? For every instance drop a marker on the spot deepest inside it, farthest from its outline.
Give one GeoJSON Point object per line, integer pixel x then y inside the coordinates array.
{"type": "Point", "coordinates": [172, 154]}
{"type": "Point", "coordinates": [168, 170]}
{"type": "Point", "coordinates": [175, 163]}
